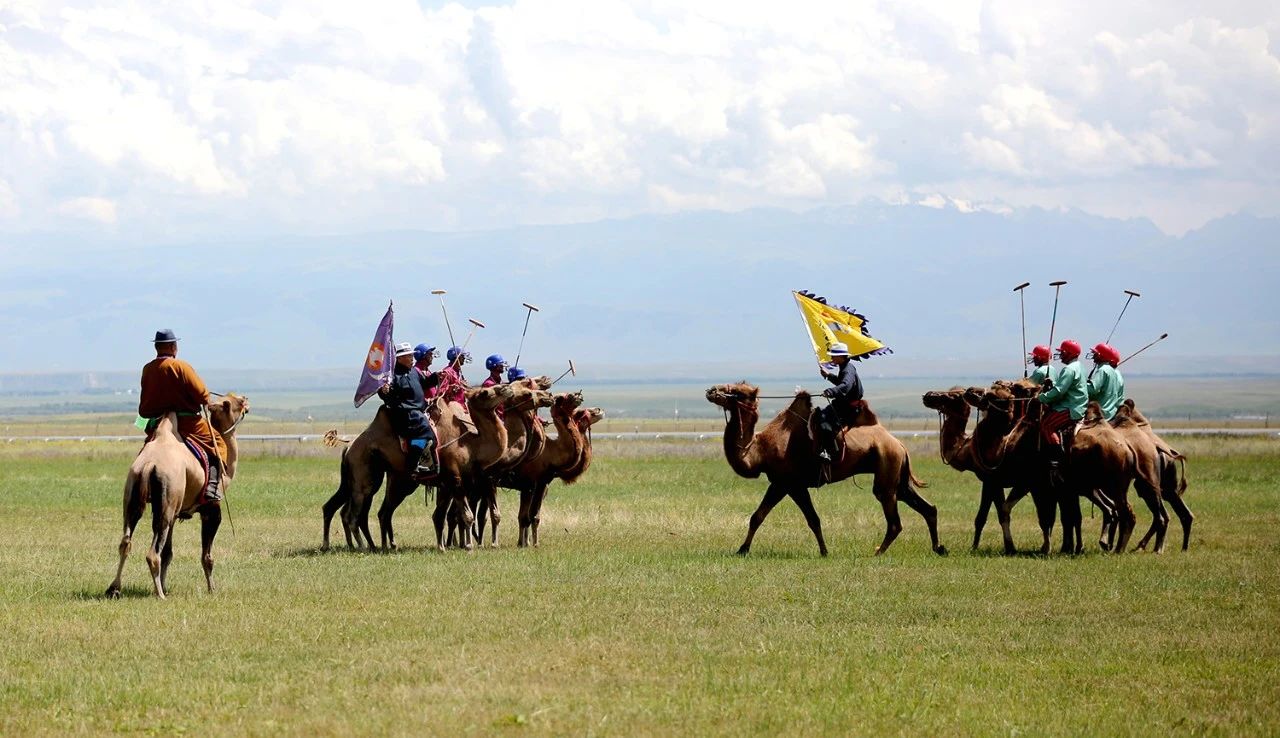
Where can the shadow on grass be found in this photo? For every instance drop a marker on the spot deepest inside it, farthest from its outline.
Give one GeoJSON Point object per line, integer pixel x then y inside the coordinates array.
{"type": "Point", "coordinates": [307, 552]}
{"type": "Point", "coordinates": [997, 553]}
{"type": "Point", "coordinates": [130, 592]}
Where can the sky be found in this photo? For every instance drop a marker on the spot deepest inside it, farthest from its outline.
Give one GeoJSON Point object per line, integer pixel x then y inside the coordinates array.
{"type": "Point", "coordinates": [153, 121]}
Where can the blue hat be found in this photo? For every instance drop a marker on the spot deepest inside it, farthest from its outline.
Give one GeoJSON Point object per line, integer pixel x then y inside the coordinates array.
{"type": "Point", "coordinates": [422, 350]}
{"type": "Point", "coordinates": [453, 353]}
{"type": "Point", "coordinates": [165, 336]}
{"type": "Point", "coordinates": [515, 373]}
{"type": "Point", "coordinates": [495, 361]}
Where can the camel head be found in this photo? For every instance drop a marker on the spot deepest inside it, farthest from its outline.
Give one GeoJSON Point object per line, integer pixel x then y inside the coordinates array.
{"type": "Point", "coordinates": [728, 395]}
{"type": "Point", "coordinates": [565, 403]}
{"type": "Point", "coordinates": [524, 398]}
{"type": "Point", "coordinates": [1129, 410]}
{"type": "Point", "coordinates": [534, 383]}
{"type": "Point", "coordinates": [487, 398]}
{"type": "Point", "coordinates": [588, 416]}
{"type": "Point", "coordinates": [949, 402]}
{"type": "Point", "coordinates": [228, 411]}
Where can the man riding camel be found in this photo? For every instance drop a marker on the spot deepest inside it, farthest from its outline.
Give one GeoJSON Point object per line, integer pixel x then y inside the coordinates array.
{"type": "Point", "coordinates": [171, 385]}
{"type": "Point", "coordinates": [452, 384]}
{"type": "Point", "coordinates": [1066, 396]}
{"type": "Point", "coordinates": [404, 396]}
{"type": "Point", "coordinates": [495, 364]}
{"type": "Point", "coordinates": [1106, 384]}
{"type": "Point", "coordinates": [842, 409]}
{"type": "Point", "coordinates": [1039, 358]}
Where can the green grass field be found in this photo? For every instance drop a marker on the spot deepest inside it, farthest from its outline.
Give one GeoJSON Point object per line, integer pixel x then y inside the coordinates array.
{"type": "Point", "coordinates": [634, 617]}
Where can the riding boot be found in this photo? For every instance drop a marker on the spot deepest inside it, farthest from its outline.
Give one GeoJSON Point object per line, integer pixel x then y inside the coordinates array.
{"type": "Point", "coordinates": [213, 492]}
{"type": "Point", "coordinates": [426, 465]}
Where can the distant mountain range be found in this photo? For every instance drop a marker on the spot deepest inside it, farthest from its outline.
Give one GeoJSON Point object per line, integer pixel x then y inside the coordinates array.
{"type": "Point", "coordinates": [677, 296]}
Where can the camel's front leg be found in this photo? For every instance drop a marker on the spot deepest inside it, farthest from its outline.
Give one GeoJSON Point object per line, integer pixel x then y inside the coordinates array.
{"type": "Point", "coordinates": [892, 523]}
{"type": "Point", "coordinates": [771, 498]}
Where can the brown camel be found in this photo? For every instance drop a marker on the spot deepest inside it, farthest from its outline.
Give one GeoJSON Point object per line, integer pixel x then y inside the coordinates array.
{"type": "Point", "coordinates": [583, 419]}
{"type": "Point", "coordinates": [168, 475]}
{"type": "Point", "coordinates": [973, 453]}
{"type": "Point", "coordinates": [526, 440]}
{"type": "Point", "coordinates": [560, 455]}
{"type": "Point", "coordinates": [376, 453]}
{"type": "Point", "coordinates": [1158, 457]}
{"type": "Point", "coordinates": [786, 454]}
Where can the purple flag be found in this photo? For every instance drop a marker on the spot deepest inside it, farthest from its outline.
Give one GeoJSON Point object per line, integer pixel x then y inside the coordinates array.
{"type": "Point", "coordinates": [378, 363]}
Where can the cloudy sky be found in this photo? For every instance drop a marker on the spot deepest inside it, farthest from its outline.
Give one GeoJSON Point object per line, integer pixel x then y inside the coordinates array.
{"type": "Point", "coordinates": [320, 116]}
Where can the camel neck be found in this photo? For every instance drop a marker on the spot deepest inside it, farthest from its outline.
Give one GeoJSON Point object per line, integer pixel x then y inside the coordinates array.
{"type": "Point", "coordinates": [952, 439]}
{"type": "Point", "coordinates": [739, 434]}
{"type": "Point", "coordinates": [568, 444]}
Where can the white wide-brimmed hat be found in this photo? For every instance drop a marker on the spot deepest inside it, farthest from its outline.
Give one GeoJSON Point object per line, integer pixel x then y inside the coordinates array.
{"type": "Point", "coordinates": [404, 349]}
{"type": "Point", "coordinates": [838, 349]}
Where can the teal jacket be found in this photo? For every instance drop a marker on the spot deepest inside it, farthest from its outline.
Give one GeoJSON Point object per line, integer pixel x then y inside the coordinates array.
{"type": "Point", "coordinates": [1040, 373]}
{"type": "Point", "coordinates": [1107, 389]}
{"type": "Point", "coordinates": [1070, 391]}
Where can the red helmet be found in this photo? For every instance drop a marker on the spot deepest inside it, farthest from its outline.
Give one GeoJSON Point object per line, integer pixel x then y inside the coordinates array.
{"type": "Point", "coordinates": [1041, 355]}
{"type": "Point", "coordinates": [1100, 353]}
{"type": "Point", "coordinates": [1069, 350]}
{"type": "Point", "coordinates": [1113, 356]}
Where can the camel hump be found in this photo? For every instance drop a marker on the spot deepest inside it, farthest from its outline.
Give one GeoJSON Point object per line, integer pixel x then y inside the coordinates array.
{"type": "Point", "coordinates": [1093, 414]}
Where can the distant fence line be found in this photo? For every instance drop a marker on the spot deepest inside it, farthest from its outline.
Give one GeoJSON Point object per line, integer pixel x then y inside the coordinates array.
{"type": "Point", "coordinates": [642, 435]}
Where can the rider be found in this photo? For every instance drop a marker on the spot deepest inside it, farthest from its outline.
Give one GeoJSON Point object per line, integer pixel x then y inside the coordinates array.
{"type": "Point", "coordinates": [405, 399]}
{"type": "Point", "coordinates": [1106, 385]}
{"type": "Point", "coordinates": [423, 354]}
{"type": "Point", "coordinates": [515, 374]}
{"type": "Point", "coordinates": [495, 364]}
{"type": "Point", "coordinates": [1039, 357]}
{"type": "Point", "coordinates": [452, 383]}
{"type": "Point", "coordinates": [1066, 396]}
{"type": "Point", "coordinates": [841, 410]}
{"type": "Point", "coordinates": [171, 385]}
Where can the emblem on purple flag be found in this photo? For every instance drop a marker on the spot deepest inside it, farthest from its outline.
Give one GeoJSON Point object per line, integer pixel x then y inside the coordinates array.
{"type": "Point", "coordinates": [378, 362]}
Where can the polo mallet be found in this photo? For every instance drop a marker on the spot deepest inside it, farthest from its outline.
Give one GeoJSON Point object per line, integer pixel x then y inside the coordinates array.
{"type": "Point", "coordinates": [570, 370]}
{"type": "Point", "coordinates": [1023, 303]}
{"type": "Point", "coordinates": [532, 309]}
{"type": "Point", "coordinates": [1131, 295]}
{"type": "Point", "coordinates": [441, 294]}
{"type": "Point", "coordinates": [1057, 289]}
{"type": "Point", "coordinates": [474, 325]}
{"type": "Point", "coordinates": [1144, 348]}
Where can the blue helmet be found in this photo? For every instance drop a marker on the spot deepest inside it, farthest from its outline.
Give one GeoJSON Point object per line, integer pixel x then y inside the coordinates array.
{"type": "Point", "coordinates": [495, 361]}
{"type": "Point", "coordinates": [453, 353]}
{"type": "Point", "coordinates": [421, 350]}
{"type": "Point", "coordinates": [515, 373]}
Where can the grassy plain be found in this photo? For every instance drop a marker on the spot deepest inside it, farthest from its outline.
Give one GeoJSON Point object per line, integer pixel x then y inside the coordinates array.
{"type": "Point", "coordinates": [633, 617]}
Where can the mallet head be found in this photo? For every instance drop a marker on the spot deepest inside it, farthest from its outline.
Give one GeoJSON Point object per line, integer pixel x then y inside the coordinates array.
{"type": "Point", "coordinates": [438, 292]}
{"type": "Point", "coordinates": [1059, 283]}
{"type": "Point", "coordinates": [1131, 293]}
{"type": "Point", "coordinates": [574, 371]}
{"type": "Point", "coordinates": [1022, 286]}
{"type": "Point", "coordinates": [534, 308]}
{"type": "Point", "coordinates": [475, 322]}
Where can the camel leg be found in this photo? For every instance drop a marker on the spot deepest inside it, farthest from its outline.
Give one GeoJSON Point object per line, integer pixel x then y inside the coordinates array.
{"type": "Point", "coordinates": [398, 488]}
{"type": "Point", "coordinates": [161, 526]}
{"type": "Point", "coordinates": [1159, 518]}
{"type": "Point", "coordinates": [1046, 513]}
{"type": "Point", "coordinates": [526, 499]}
{"type": "Point", "coordinates": [495, 516]}
{"type": "Point", "coordinates": [439, 514]}
{"type": "Point", "coordinates": [364, 523]}
{"type": "Point", "coordinates": [912, 499]}
{"type": "Point", "coordinates": [466, 521]}
{"type": "Point", "coordinates": [805, 502]}
{"type": "Point", "coordinates": [210, 521]}
{"type": "Point", "coordinates": [892, 523]}
{"type": "Point", "coordinates": [535, 510]}
{"type": "Point", "coordinates": [1069, 502]}
{"type": "Point", "coordinates": [1185, 518]}
{"type": "Point", "coordinates": [980, 520]}
{"type": "Point", "coordinates": [480, 504]}
{"type": "Point", "coordinates": [332, 507]}
{"type": "Point", "coordinates": [166, 557]}
{"type": "Point", "coordinates": [1128, 521]}
{"type": "Point", "coordinates": [772, 497]}
{"type": "Point", "coordinates": [1002, 514]}
{"type": "Point", "coordinates": [133, 507]}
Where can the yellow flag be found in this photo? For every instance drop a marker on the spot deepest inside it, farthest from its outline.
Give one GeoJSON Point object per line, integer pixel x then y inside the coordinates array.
{"type": "Point", "coordinates": [828, 324]}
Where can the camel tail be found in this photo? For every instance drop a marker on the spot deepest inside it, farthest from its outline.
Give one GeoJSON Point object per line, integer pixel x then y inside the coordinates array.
{"type": "Point", "coordinates": [153, 487]}
{"type": "Point", "coordinates": [1182, 474]}
{"type": "Point", "coordinates": [909, 476]}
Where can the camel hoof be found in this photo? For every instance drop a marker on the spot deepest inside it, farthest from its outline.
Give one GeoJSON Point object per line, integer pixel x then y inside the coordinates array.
{"type": "Point", "coordinates": [113, 593]}
{"type": "Point", "coordinates": [1010, 551]}
{"type": "Point", "coordinates": [941, 550]}
{"type": "Point", "coordinates": [823, 552]}
{"type": "Point", "coordinates": [877, 552]}
{"type": "Point", "coordinates": [743, 551]}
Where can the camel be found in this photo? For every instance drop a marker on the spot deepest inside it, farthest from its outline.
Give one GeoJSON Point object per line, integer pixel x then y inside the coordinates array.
{"type": "Point", "coordinates": [526, 440]}
{"type": "Point", "coordinates": [971, 453]}
{"type": "Point", "coordinates": [560, 456]}
{"type": "Point", "coordinates": [376, 453]}
{"type": "Point", "coordinates": [168, 475]}
{"type": "Point", "coordinates": [785, 453]}
{"type": "Point", "coordinates": [583, 419]}
{"type": "Point", "coordinates": [1159, 458]}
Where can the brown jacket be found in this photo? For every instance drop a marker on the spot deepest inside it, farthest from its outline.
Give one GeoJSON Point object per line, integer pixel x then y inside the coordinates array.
{"type": "Point", "coordinates": [171, 385]}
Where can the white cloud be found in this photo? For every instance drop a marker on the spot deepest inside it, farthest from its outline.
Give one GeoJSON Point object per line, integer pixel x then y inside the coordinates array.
{"type": "Point", "coordinates": [332, 115]}
{"type": "Point", "coordinates": [97, 209]}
